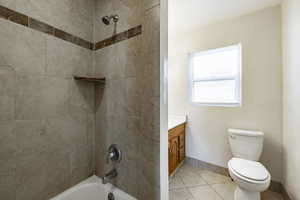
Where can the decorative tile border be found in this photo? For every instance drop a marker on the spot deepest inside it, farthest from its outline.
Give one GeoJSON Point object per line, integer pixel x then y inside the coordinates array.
{"type": "Point", "coordinates": [119, 37]}
{"type": "Point", "coordinates": [274, 186]}
{"type": "Point", "coordinates": [13, 16]}
{"type": "Point", "coordinates": [37, 25]}
{"type": "Point", "coordinates": [32, 23]}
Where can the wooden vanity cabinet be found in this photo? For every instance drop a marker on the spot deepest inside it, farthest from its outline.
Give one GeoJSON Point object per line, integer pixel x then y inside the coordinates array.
{"type": "Point", "coordinates": [176, 147]}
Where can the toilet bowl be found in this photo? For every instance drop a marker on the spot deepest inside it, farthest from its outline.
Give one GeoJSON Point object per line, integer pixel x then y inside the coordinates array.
{"type": "Point", "coordinates": [251, 176]}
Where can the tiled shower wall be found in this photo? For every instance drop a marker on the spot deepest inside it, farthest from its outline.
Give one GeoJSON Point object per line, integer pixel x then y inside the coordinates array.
{"type": "Point", "coordinates": [45, 117]}
{"type": "Point", "coordinates": [47, 120]}
{"type": "Point", "coordinates": [127, 108]}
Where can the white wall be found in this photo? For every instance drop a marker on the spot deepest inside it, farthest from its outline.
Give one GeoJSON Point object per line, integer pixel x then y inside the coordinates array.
{"type": "Point", "coordinates": [260, 35]}
{"type": "Point", "coordinates": [291, 58]}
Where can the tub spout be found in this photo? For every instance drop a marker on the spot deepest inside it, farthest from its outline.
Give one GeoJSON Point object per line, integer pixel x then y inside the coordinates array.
{"type": "Point", "coordinates": [109, 176]}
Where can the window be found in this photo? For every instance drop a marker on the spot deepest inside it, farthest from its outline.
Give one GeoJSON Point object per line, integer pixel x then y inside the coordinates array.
{"type": "Point", "coordinates": [216, 77]}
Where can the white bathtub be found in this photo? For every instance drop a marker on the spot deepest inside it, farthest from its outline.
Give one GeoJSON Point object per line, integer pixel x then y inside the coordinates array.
{"type": "Point", "coordinates": [92, 189]}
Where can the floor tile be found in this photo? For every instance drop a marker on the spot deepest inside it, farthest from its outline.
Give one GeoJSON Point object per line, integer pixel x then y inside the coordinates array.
{"type": "Point", "coordinates": [180, 194]}
{"type": "Point", "coordinates": [192, 183]}
{"type": "Point", "coordinates": [186, 172]}
{"type": "Point", "coordinates": [269, 195]}
{"type": "Point", "coordinates": [226, 191]}
{"type": "Point", "coordinates": [204, 193]}
{"type": "Point", "coordinates": [186, 167]}
{"type": "Point", "coordinates": [175, 183]}
{"type": "Point", "coordinates": [192, 180]}
{"type": "Point", "coordinates": [213, 178]}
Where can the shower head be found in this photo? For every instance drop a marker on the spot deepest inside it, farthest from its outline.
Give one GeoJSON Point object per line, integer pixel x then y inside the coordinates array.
{"type": "Point", "coordinates": [107, 19]}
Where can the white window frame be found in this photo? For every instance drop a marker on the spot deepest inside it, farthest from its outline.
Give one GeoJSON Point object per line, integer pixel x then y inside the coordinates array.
{"type": "Point", "coordinates": [238, 78]}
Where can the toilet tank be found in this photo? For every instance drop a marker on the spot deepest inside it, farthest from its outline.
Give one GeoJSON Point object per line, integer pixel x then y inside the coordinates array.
{"type": "Point", "coordinates": [246, 144]}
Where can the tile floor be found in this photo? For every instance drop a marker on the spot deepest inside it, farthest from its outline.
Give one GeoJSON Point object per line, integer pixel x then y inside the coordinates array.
{"type": "Point", "coordinates": [191, 183]}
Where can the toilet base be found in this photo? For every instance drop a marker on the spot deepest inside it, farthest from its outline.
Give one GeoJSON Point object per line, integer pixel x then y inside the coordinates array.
{"type": "Point", "coordinates": [241, 194]}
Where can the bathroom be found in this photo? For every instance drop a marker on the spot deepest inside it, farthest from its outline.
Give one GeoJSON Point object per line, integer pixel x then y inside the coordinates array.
{"type": "Point", "coordinates": [229, 87]}
{"type": "Point", "coordinates": [88, 89]}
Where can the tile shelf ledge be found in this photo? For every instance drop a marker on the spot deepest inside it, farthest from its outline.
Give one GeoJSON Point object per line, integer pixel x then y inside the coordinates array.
{"type": "Point", "coordinates": [88, 79]}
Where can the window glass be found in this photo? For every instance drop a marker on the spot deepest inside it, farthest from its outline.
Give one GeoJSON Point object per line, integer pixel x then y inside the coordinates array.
{"type": "Point", "coordinates": [216, 76]}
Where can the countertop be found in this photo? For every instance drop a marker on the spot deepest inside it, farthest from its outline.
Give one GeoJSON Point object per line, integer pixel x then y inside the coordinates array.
{"type": "Point", "coordinates": [175, 120]}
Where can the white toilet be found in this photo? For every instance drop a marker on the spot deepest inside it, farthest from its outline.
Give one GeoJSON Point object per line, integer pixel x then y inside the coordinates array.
{"type": "Point", "coordinates": [251, 176]}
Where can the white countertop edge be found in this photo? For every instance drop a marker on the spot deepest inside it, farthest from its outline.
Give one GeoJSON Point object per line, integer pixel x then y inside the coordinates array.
{"type": "Point", "coordinates": [176, 120]}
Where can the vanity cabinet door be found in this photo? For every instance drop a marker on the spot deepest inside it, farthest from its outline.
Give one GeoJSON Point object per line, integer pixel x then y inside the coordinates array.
{"type": "Point", "coordinates": [181, 146]}
{"type": "Point", "coordinates": [176, 147]}
{"type": "Point", "coordinates": [181, 155]}
{"type": "Point", "coordinates": [174, 154]}
{"type": "Point", "coordinates": [170, 157]}
{"type": "Point", "coordinates": [182, 140]}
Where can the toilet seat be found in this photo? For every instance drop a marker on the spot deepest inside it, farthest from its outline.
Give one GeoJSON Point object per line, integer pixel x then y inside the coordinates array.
{"type": "Point", "coordinates": [249, 171]}
{"type": "Point", "coordinates": [251, 178]}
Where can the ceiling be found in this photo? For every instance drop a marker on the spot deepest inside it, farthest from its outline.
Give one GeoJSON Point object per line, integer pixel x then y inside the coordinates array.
{"type": "Point", "coordinates": [185, 15]}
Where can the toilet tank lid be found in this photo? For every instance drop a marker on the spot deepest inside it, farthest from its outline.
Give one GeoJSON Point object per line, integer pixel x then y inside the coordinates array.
{"type": "Point", "coordinates": [248, 133]}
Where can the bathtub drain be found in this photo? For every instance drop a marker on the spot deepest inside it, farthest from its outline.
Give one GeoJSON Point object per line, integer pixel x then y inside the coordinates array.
{"type": "Point", "coordinates": [110, 196]}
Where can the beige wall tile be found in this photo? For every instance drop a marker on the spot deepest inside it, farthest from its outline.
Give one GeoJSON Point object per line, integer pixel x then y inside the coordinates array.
{"type": "Point", "coordinates": [8, 151]}
{"type": "Point", "coordinates": [22, 48]}
{"type": "Point", "coordinates": [71, 16]}
{"type": "Point", "coordinates": [8, 187]}
{"type": "Point", "coordinates": [29, 97]}
{"type": "Point", "coordinates": [65, 59]}
{"type": "Point", "coordinates": [54, 97]}
{"type": "Point", "coordinates": [33, 174]}
{"type": "Point", "coordinates": [8, 3]}
{"type": "Point", "coordinates": [31, 136]}
{"type": "Point", "coordinates": [66, 132]}
{"type": "Point", "coordinates": [7, 93]}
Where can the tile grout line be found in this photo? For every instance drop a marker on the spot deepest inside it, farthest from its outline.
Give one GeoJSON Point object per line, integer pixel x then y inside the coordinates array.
{"type": "Point", "coordinates": [210, 186]}
{"type": "Point", "coordinates": [187, 188]}
{"type": "Point", "coordinates": [216, 192]}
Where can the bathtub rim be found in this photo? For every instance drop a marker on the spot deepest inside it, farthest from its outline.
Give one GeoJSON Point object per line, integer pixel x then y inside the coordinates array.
{"type": "Point", "coordinates": [93, 180]}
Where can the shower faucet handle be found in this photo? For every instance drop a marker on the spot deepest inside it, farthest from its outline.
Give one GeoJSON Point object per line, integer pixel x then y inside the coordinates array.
{"type": "Point", "coordinates": [114, 154]}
